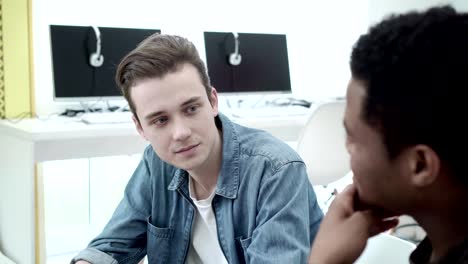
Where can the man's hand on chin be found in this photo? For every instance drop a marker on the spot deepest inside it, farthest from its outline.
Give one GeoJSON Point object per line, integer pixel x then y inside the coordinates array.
{"type": "Point", "coordinates": [345, 229]}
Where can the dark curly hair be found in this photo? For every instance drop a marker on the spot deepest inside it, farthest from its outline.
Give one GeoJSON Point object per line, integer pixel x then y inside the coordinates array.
{"type": "Point", "coordinates": [415, 69]}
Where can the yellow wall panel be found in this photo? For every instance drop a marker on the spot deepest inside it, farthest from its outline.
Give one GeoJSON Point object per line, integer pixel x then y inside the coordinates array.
{"type": "Point", "coordinates": [2, 83]}
{"type": "Point", "coordinates": [16, 57]}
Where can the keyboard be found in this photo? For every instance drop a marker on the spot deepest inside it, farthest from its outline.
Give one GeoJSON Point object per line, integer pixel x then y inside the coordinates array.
{"type": "Point", "coordinates": [270, 111]}
{"type": "Point", "coordinates": [106, 117]}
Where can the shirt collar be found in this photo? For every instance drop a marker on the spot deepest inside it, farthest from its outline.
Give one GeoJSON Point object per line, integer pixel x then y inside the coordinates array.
{"type": "Point", "coordinates": [228, 180]}
{"type": "Point", "coordinates": [422, 254]}
{"type": "Point", "coordinates": [455, 255]}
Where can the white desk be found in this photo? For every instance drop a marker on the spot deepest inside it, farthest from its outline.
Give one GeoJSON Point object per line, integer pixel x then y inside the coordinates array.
{"type": "Point", "coordinates": [29, 141]}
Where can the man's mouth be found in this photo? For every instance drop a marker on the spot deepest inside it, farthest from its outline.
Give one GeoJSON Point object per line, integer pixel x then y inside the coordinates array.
{"type": "Point", "coordinates": [186, 148]}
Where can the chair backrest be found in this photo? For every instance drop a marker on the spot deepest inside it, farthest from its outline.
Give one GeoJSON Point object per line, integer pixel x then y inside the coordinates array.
{"type": "Point", "coordinates": [386, 249]}
{"type": "Point", "coordinates": [322, 144]}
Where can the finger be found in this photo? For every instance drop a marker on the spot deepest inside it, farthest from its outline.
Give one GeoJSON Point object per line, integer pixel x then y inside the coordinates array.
{"type": "Point", "coordinates": [343, 204]}
{"type": "Point", "coordinates": [349, 190]}
{"type": "Point", "coordinates": [347, 195]}
{"type": "Point", "coordinates": [376, 224]}
{"type": "Point", "coordinates": [369, 223]}
{"type": "Point", "coordinates": [381, 213]}
{"type": "Point", "coordinates": [386, 225]}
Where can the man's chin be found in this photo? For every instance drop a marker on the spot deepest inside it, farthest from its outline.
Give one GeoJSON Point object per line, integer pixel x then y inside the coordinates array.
{"type": "Point", "coordinates": [187, 165]}
{"type": "Point", "coordinates": [362, 204]}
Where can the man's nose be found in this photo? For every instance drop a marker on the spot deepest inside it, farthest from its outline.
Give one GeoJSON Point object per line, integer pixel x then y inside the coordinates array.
{"type": "Point", "coordinates": [181, 131]}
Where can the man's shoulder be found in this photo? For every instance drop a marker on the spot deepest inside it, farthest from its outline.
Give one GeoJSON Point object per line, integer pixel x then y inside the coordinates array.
{"type": "Point", "coordinates": [259, 143]}
{"type": "Point", "coordinates": [149, 156]}
{"type": "Point", "coordinates": [154, 162]}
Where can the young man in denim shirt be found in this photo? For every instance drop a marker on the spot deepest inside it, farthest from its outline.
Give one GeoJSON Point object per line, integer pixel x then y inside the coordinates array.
{"type": "Point", "coordinates": [207, 190]}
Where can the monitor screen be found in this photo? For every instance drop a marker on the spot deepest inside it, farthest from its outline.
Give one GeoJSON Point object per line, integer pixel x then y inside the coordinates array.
{"type": "Point", "coordinates": [74, 76]}
{"type": "Point", "coordinates": [263, 65]}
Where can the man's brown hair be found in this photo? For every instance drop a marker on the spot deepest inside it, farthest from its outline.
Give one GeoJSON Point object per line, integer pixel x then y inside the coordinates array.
{"type": "Point", "coordinates": [155, 57]}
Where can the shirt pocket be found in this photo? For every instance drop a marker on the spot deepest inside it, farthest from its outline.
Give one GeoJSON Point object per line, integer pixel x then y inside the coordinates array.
{"type": "Point", "coordinates": [241, 246]}
{"type": "Point", "coordinates": [158, 243]}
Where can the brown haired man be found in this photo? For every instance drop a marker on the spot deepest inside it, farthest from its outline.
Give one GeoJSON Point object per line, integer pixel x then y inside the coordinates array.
{"type": "Point", "coordinates": [207, 190]}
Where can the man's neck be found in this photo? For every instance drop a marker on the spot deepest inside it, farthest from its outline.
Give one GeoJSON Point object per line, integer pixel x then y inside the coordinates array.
{"type": "Point", "coordinates": [200, 190]}
{"type": "Point", "coordinates": [445, 228]}
{"type": "Point", "coordinates": [205, 177]}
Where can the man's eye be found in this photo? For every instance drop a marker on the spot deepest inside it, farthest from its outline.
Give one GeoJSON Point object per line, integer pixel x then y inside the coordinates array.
{"type": "Point", "coordinates": [192, 109]}
{"type": "Point", "coordinates": [160, 121]}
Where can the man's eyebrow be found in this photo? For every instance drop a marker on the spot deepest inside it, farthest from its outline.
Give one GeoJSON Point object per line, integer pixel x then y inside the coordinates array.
{"type": "Point", "coordinates": [190, 101]}
{"type": "Point", "coordinates": [149, 116]}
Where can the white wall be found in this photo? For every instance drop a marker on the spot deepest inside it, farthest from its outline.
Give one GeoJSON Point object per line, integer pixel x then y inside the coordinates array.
{"type": "Point", "coordinates": [319, 33]}
{"type": "Point", "coordinates": [379, 9]}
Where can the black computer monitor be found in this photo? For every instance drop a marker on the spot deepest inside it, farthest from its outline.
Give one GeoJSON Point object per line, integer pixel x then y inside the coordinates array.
{"type": "Point", "coordinates": [264, 65]}
{"type": "Point", "coordinates": [74, 77]}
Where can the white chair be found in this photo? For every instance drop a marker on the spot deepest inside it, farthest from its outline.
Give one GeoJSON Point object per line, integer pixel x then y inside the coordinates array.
{"type": "Point", "coordinates": [5, 260]}
{"type": "Point", "coordinates": [386, 249]}
{"type": "Point", "coordinates": [322, 144]}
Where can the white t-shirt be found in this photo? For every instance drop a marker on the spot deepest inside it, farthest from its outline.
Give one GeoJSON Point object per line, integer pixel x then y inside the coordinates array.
{"type": "Point", "coordinates": [204, 245]}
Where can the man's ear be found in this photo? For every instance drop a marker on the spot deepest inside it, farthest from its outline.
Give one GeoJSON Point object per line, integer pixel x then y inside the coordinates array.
{"type": "Point", "coordinates": [424, 164]}
{"type": "Point", "coordinates": [214, 101]}
{"type": "Point", "coordinates": [138, 127]}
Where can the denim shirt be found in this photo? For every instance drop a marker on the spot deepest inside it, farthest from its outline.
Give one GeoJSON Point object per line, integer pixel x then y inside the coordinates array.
{"type": "Point", "coordinates": [265, 207]}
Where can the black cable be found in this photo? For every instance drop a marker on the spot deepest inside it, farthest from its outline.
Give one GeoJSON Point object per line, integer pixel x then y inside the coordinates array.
{"type": "Point", "coordinates": [406, 225]}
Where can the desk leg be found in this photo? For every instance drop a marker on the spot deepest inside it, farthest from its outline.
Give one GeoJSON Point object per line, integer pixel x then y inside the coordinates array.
{"type": "Point", "coordinates": [17, 199]}
{"type": "Point", "coordinates": [41, 256]}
